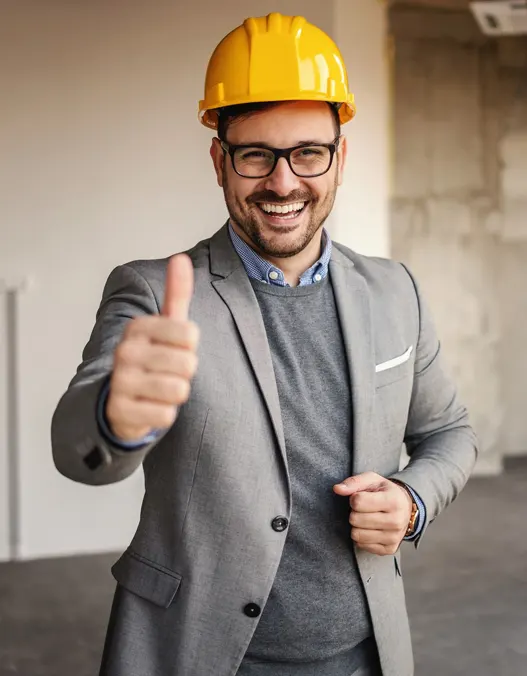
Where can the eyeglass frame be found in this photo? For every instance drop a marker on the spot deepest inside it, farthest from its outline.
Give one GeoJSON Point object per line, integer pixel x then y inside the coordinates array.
{"type": "Point", "coordinates": [278, 153]}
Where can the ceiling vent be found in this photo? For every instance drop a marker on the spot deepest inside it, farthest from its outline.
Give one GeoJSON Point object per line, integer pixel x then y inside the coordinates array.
{"type": "Point", "coordinates": [502, 17]}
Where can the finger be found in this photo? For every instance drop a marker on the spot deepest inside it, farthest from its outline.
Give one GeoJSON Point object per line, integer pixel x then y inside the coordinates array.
{"type": "Point", "coordinates": [161, 388]}
{"type": "Point", "coordinates": [379, 550]}
{"type": "Point", "coordinates": [379, 543]}
{"type": "Point", "coordinates": [369, 481]}
{"type": "Point", "coordinates": [158, 358]}
{"type": "Point", "coordinates": [372, 502]}
{"type": "Point", "coordinates": [364, 536]}
{"type": "Point", "coordinates": [374, 520]}
{"type": "Point", "coordinates": [146, 414]}
{"type": "Point", "coordinates": [178, 288]}
{"type": "Point", "coordinates": [172, 361]}
{"type": "Point", "coordinates": [157, 329]}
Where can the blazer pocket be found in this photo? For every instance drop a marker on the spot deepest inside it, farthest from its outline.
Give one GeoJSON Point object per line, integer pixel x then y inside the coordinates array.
{"type": "Point", "coordinates": [391, 371]}
{"type": "Point", "coordinates": [396, 361]}
{"type": "Point", "coordinates": [146, 579]}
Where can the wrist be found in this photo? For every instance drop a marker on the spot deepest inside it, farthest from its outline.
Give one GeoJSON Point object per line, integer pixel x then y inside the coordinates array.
{"type": "Point", "coordinates": [413, 509]}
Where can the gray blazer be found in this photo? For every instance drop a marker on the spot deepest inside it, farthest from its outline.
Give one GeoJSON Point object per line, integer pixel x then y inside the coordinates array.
{"type": "Point", "coordinates": [204, 547]}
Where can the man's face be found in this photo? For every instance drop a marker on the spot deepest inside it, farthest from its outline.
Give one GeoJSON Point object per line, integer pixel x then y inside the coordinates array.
{"type": "Point", "coordinates": [252, 202]}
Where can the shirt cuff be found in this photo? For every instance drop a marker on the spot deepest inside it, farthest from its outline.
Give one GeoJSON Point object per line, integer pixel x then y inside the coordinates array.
{"type": "Point", "coordinates": [105, 427]}
{"type": "Point", "coordinates": [421, 519]}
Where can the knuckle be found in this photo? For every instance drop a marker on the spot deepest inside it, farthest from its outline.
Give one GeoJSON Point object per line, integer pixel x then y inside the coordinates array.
{"type": "Point", "coordinates": [191, 334]}
{"type": "Point", "coordinates": [117, 408]}
{"type": "Point", "coordinates": [163, 388]}
{"type": "Point", "coordinates": [125, 353]}
{"type": "Point", "coordinates": [356, 519]}
{"type": "Point", "coordinates": [357, 501]}
{"type": "Point", "coordinates": [122, 381]}
{"type": "Point", "coordinates": [182, 391]}
{"type": "Point", "coordinates": [189, 365]}
{"type": "Point", "coordinates": [165, 416]}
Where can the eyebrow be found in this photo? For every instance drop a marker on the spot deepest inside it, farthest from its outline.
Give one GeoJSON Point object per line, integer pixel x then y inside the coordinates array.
{"type": "Point", "coordinates": [309, 142]}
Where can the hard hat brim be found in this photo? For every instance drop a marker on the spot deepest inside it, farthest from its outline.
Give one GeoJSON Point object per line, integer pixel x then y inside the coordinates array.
{"type": "Point", "coordinates": [208, 116]}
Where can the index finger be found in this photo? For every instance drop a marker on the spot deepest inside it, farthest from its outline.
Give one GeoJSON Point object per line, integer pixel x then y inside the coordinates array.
{"type": "Point", "coordinates": [179, 287]}
{"type": "Point", "coordinates": [367, 502]}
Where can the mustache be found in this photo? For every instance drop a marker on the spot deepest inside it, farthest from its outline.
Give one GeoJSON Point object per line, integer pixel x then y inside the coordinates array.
{"type": "Point", "coordinates": [270, 196]}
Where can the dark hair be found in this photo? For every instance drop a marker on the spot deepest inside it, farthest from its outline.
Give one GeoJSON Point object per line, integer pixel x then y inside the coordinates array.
{"type": "Point", "coordinates": [230, 113]}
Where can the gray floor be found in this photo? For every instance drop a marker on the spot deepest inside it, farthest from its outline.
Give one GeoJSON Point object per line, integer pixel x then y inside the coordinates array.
{"type": "Point", "coordinates": [466, 588]}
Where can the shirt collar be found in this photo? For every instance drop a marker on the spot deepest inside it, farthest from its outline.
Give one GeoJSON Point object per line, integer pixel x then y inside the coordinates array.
{"type": "Point", "coordinates": [260, 269]}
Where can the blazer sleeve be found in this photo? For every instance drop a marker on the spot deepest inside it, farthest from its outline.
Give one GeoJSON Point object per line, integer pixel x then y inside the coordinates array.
{"type": "Point", "coordinates": [440, 441]}
{"type": "Point", "coordinates": [81, 451]}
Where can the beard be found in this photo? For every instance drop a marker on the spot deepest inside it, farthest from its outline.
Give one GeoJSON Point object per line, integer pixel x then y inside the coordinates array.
{"type": "Point", "coordinates": [250, 219]}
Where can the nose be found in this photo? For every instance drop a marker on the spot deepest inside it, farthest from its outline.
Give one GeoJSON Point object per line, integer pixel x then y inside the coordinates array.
{"type": "Point", "coordinates": [282, 181]}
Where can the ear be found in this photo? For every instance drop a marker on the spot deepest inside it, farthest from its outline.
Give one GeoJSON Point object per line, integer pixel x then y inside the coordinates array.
{"type": "Point", "coordinates": [342, 154]}
{"type": "Point", "coordinates": [218, 159]}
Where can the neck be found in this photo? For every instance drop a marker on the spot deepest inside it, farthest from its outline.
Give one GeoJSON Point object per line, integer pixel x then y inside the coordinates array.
{"type": "Point", "coordinates": [293, 266]}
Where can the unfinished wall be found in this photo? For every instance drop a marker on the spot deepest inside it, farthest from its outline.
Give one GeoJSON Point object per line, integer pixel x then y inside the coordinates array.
{"type": "Point", "coordinates": [459, 209]}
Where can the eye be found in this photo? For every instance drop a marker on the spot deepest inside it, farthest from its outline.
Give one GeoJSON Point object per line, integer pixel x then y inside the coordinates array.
{"type": "Point", "coordinates": [254, 154]}
{"type": "Point", "coordinates": [310, 152]}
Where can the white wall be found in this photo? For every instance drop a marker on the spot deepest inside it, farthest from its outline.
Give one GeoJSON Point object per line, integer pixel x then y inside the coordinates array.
{"type": "Point", "coordinates": [104, 161]}
{"type": "Point", "coordinates": [362, 212]}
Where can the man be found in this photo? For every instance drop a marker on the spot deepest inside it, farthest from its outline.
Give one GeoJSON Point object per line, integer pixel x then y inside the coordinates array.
{"type": "Point", "coordinates": [269, 537]}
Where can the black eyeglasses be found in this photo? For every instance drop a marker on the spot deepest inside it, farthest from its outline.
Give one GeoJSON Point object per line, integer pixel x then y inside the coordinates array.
{"type": "Point", "coordinates": [306, 160]}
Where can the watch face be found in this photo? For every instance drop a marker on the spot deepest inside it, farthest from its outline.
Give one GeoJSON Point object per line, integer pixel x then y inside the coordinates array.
{"type": "Point", "coordinates": [413, 519]}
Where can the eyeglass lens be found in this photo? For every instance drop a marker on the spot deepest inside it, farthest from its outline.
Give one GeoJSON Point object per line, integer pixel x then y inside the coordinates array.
{"type": "Point", "coordinates": [305, 161]}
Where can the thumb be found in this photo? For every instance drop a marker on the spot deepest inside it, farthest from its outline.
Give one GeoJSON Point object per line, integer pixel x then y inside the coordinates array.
{"type": "Point", "coordinates": [369, 481]}
{"type": "Point", "coordinates": [179, 287]}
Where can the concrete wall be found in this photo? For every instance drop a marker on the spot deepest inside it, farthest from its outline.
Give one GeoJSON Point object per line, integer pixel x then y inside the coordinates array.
{"type": "Point", "coordinates": [103, 161]}
{"type": "Point", "coordinates": [459, 209]}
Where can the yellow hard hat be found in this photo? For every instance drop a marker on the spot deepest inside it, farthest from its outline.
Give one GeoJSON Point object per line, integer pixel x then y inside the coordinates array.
{"type": "Point", "coordinates": [275, 58]}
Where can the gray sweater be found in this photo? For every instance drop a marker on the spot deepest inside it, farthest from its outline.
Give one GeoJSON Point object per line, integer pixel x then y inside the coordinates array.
{"type": "Point", "coordinates": [316, 612]}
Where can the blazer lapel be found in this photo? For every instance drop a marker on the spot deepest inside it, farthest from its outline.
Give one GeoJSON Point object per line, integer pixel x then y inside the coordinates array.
{"type": "Point", "coordinates": [353, 306]}
{"type": "Point", "coordinates": [236, 291]}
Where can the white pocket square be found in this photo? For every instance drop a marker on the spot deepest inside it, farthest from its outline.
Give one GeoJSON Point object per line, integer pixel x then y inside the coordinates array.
{"type": "Point", "coordinates": [396, 361]}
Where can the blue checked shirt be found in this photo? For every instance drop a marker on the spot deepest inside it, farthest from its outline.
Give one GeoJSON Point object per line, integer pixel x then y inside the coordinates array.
{"type": "Point", "coordinates": [260, 269]}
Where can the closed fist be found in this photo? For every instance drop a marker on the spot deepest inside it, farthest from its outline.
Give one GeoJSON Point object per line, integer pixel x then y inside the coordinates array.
{"type": "Point", "coordinates": [380, 512]}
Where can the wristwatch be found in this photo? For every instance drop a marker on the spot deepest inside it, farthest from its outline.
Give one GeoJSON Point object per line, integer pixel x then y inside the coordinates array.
{"type": "Point", "coordinates": [413, 520]}
{"type": "Point", "coordinates": [410, 530]}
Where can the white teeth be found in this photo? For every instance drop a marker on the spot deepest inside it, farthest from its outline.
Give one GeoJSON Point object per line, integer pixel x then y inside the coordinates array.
{"type": "Point", "coordinates": [282, 209]}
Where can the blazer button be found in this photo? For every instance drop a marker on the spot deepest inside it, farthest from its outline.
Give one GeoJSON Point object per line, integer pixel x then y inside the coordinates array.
{"type": "Point", "coordinates": [252, 610]}
{"type": "Point", "coordinates": [279, 524]}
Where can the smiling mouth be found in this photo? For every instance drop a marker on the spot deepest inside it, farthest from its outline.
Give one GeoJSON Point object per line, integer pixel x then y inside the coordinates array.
{"type": "Point", "coordinates": [282, 211]}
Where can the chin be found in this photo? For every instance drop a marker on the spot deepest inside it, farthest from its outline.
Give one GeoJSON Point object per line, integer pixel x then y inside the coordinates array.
{"type": "Point", "coordinates": [283, 245]}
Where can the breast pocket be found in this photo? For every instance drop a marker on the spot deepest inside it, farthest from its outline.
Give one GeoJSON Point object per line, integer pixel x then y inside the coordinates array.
{"type": "Point", "coordinates": [395, 368]}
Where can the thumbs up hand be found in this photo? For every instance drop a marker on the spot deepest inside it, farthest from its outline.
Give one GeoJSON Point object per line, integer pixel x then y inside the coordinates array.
{"type": "Point", "coordinates": [155, 361]}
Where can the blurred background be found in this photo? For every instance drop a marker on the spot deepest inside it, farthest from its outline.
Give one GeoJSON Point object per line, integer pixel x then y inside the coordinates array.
{"type": "Point", "coordinates": [102, 160]}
